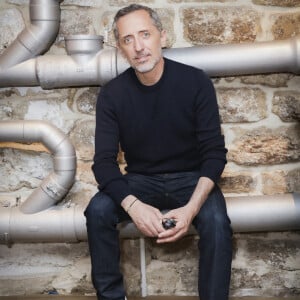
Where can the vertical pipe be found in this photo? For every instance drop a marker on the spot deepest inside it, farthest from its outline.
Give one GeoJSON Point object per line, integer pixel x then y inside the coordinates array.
{"type": "Point", "coordinates": [143, 267]}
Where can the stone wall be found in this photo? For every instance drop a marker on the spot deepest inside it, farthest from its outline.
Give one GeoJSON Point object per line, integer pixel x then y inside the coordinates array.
{"type": "Point", "coordinates": [260, 119]}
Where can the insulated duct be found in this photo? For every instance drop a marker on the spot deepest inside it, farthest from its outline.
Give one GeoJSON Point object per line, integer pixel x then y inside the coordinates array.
{"type": "Point", "coordinates": [58, 182]}
{"type": "Point", "coordinates": [67, 223]}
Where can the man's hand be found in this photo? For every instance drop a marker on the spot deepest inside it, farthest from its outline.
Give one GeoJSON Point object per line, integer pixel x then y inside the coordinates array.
{"type": "Point", "coordinates": [146, 218]}
{"type": "Point", "coordinates": [183, 219]}
{"type": "Point", "coordinates": [185, 215]}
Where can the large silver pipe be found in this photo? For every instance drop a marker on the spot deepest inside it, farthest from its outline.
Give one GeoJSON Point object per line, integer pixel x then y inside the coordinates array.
{"type": "Point", "coordinates": [59, 181]}
{"type": "Point", "coordinates": [88, 64]}
{"type": "Point", "coordinates": [53, 71]}
{"type": "Point", "coordinates": [58, 224]}
{"type": "Point", "coordinates": [252, 214]}
{"type": "Point", "coordinates": [67, 223]}
{"type": "Point", "coordinates": [36, 38]}
{"type": "Point", "coordinates": [241, 59]}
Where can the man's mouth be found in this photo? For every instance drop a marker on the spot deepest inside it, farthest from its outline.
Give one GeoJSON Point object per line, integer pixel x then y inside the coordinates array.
{"type": "Point", "coordinates": [142, 58]}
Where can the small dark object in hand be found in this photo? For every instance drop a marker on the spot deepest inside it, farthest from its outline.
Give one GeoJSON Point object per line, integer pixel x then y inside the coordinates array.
{"type": "Point", "coordinates": [168, 223]}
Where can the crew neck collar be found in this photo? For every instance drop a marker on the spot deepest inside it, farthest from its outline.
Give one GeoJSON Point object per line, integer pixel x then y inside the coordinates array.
{"type": "Point", "coordinates": [153, 86]}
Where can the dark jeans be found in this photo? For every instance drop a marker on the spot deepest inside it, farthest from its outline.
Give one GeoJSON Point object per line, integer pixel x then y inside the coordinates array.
{"type": "Point", "coordinates": [164, 191]}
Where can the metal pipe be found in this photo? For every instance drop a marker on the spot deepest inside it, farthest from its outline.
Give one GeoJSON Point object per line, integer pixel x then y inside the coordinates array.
{"type": "Point", "coordinates": [59, 181]}
{"type": "Point", "coordinates": [67, 223]}
{"type": "Point", "coordinates": [241, 59]}
{"type": "Point", "coordinates": [252, 214]}
{"type": "Point", "coordinates": [38, 37]}
{"type": "Point", "coordinates": [55, 225]}
{"type": "Point", "coordinates": [88, 64]}
{"type": "Point", "coordinates": [53, 71]}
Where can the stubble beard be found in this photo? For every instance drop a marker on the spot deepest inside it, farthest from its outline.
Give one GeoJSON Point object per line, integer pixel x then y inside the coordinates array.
{"type": "Point", "coordinates": [148, 65]}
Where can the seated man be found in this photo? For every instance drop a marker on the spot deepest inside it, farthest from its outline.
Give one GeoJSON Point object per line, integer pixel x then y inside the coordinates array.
{"type": "Point", "coordinates": [165, 117]}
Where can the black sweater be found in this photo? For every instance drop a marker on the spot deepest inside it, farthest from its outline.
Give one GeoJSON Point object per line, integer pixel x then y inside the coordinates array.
{"type": "Point", "coordinates": [171, 126]}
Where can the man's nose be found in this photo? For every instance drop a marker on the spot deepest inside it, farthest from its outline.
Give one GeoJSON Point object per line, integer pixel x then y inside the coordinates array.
{"type": "Point", "coordinates": [139, 45]}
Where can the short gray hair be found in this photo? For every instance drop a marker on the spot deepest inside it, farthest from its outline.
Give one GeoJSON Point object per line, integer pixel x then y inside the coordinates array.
{"type": "Point", "coordinates": [135, 7]}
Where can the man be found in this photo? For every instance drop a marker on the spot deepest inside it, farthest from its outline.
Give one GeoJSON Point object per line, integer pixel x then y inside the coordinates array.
{"type": "Point", "coordinates": [164, 115]}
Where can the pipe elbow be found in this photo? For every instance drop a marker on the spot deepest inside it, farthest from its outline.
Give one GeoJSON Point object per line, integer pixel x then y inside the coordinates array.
{"type": "Point", "coordinates": [54, 187]}
{"type": "Point", "coordinates": [38, 37]}
{"type": "Point", "coordinates": [45, 19]}
{"type": "Point", "coordinates": [58, 183]}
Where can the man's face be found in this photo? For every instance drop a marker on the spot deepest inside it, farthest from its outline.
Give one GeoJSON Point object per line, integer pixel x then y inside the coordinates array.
{"type": "Point", "coordinates": [140, 41]}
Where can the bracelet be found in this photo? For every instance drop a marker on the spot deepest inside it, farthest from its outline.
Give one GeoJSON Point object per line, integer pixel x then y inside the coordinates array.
{"type": "Point", "coordinates": [131, 204]}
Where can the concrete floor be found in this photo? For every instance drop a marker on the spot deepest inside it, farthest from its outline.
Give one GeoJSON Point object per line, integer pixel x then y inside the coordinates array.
{"type": "Point", "coordinates": [56, 297]}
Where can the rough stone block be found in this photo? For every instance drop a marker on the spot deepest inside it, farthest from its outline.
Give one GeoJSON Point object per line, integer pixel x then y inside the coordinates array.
{"type": "Point", "coordinates": [237, 182]}
{"type": "Point", "coordinates": [241, 104]}
{"type": "Point", "coordinates": [172, 269]}
{"type": "Point", "coordinates": [130, 264]}
{"type": "Point", "coordinates": [220, 25]}
{"type": "Point", "coordinates": [11, 24]}
{"type": "Point", "coordinates": [293, 181]}
{"type": "Point", "coordinates": [73, 22]}
{"type": "Point", "coordinates": [274, 182]}
{"type": "Point", "coordinates": [286, 104]}
{"type": "Point", "coordinates": [82, 137]}
{"type": "Point", "coordinates": [23, 169]}
{"type": "Point", "coordinates": [266, 261]}
{"type": "Point", "coordinates": [271, 80]}
{"type": "Point", "coordinates": [285, 25]}
{"type": "Point", "coordinates": [265, 146]}
{"type": "Point", "coordinates": [85, 100]}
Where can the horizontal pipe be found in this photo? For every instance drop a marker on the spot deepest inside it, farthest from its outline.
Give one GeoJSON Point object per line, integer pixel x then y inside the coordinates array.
{"type": "Point", "coordinates": [68, 224]}
{"type": "Point", "coordinates": [19, 65]}
{"type": "Point", "coordinates": [264, 213]}
{"type": "Point", "coordinates": [243, 58]}
{"type": "Point", "coordinates": [252, 214]}
{"type": "Point", "coordinates": [55, 225]}
{"type": "Point", "coordinates": [53, 71]}
{"type": "Point", "coordinates": [36, 38]}
{"type": "Point", "coordinates": [58, 182]}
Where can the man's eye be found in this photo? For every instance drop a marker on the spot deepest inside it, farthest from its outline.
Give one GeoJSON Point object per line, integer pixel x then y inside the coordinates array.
{"type": "Point", "coordinates": [127, 40]}
{"type": "Point", "coordinates": [146, 34]}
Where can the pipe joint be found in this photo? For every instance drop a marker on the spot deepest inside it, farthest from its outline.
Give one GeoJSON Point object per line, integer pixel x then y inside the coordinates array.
{"type": "Point", "coordinates": [55, 187]}
{"type": "Point", "coordinates": [83, 47]}
{"type": "Point", "coordinates": [296, 49]}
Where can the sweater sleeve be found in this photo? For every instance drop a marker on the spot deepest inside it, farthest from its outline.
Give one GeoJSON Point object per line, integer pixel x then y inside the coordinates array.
{"type": "Point", "coordinates": [105, 167]}
{"type": "Point", "coordinates": [210, 140]}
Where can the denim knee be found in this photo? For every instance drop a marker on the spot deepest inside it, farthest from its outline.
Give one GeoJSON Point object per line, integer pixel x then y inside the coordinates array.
{"type": "Point", "coordinates": [101, 210]}
{"type": "Point", "coordinates": [212, 218]}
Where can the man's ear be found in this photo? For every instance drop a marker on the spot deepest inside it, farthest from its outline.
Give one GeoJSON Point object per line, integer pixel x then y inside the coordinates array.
{"type": "Point", "coordinates": [163, 38]}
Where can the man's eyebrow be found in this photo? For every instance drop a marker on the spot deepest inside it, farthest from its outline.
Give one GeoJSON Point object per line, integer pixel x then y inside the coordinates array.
{"type": "Point", "coordinates": [125, 36]}
{"type": "Point", "coordinates": [131, 34]}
